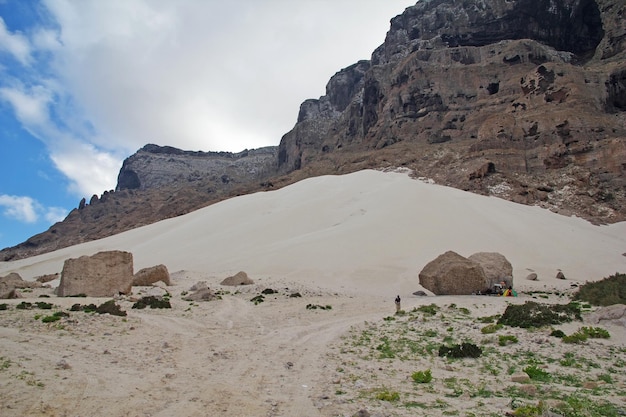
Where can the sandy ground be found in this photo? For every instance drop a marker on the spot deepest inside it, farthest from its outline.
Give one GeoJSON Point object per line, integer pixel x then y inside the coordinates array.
{"type": "Point", "coordinates": [351, 243]}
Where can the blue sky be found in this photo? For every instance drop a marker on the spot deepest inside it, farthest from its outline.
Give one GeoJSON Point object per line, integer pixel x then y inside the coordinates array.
{"type": "Point", "coordinates": [85, 83]}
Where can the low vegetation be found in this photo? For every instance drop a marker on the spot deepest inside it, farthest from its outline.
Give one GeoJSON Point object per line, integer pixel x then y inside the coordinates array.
{"type": "Point", "coordinates": [609, 291]}
{"type": "Point", "coordinates": [470, 365]}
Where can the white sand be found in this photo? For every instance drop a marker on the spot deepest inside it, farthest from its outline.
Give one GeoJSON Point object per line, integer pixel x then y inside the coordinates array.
{"type": "Point", "coordinates": [352, 241]}
{"type": "Point", "coordinates": [368, 232]}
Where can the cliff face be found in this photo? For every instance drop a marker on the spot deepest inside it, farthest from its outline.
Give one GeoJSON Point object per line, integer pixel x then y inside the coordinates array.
{"type": "Point", "coordinates": [154, 167]}
{"type": "Point", "coordinates": [524, 99]}
{"type": "Point", "coordinates": [521, 99]}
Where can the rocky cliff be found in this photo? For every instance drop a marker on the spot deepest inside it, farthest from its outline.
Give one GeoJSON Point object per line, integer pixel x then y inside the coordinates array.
{"type": "Point", "coordinates": [520, 99]}
{"type": "Point", "coordinates": [524, 99]}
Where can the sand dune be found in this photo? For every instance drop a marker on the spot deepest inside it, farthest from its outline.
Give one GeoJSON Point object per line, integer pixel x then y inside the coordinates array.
{"type": "Point", "coordinates": [348, 243]}
{"type": "Point", "coordinates": [368, 231]}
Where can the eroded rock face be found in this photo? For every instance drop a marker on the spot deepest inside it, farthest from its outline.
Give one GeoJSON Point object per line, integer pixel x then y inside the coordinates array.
{"type": "Point", "coordinates": [148, 276]}
{"type": "Point", "coordinates": [519, 99]}
{"type": "Point", "coordinates": [497, 268]}
{"type": "Point", "coordinates": [156, 166]}
{"type": "Point", "coordinates": [240, 278]}
{"type": "Point", "coordinates": [12, 282]}
{"type": "Point", "coordinates": [104, 274]}
{"type": "Point", "coordinates": [453, 274]}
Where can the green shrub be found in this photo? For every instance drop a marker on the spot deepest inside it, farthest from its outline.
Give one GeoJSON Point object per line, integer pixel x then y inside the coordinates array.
{"type": "Point", "coordinates": [4, 306]}
{"type": "Point", "coordinates": [111, 308]}
{"type": "Point", "coordinates": [43, 306]}
{"type": "Point", "coordinates": [386, 395]}
{"type": "Point", "coordinates": [316, 306]}
{"type": "Point", "coordinates": [609, 291]}
{"type": "Point", "coordinates": [258, 299]}
{"type": "Point", "coordinates": [50, 319]}
{"type": "Point", "coordinates": [503, 340]}
{"type": "Point", "coordinates": [422, 377]}
{"type": "Point", "coordinates": [24, 306]}
{"type": "Point", "coordinates": [464, 350]}
{"type": "Point", "coordinates": [596, 332]}
{"type": "Point", "coordinates": [537, 374]}
{"type": "Point", "coordinates": [152, 302]}
{"type": "Point", "coordinates": [557, 333]}
{"type": "Point", "coordinates": [578, 337]}
{"type": "Point", "coordinates": [430, 310]}
{"type": "Point", "coordinates": [268, 291]}
{"type": "Point", "coordinates": [532, 314]}
{"type": "Point", "coordinates": [491, 328]}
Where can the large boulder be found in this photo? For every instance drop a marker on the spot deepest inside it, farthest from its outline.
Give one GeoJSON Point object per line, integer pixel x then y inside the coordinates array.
{"type": "Point", "coordinates": [12, 282]}
{"type": "Point", "coordinates": [453, 274]}
{"type": "Point", "coordinates": [148, 276]}
{"type": "Point", "coordinates": [104, 274]}
{"type": "Point", "coordinates": [240, 278]}
{"type": "Point", "coordinates": [497, 268]}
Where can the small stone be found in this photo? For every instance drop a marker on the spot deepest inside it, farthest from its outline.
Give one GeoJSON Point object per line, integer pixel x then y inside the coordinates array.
{"type": "Point", "coordinates": [520, 378]}
{"type": "Point", "coordinates": [62, 364]}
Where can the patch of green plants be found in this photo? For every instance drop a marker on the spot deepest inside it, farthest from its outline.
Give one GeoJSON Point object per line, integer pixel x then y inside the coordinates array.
{"type": "Point", "coordinates": [557, 333]}
{"type": "Point", "coordinates": [488, 319]}
{"type": "Point", "coordinates": [258, 299]}
{"type": "Point", "coordinates": [609, 291]}
{"type": "Point", "coordinates": [596, 332]}
{"type": "Point", "coordinates": [50, 319]}
{"type": "Point", "coordinates": [152, 302]}
{"type": "Point", "coordinates": [384, 394]}
{"type": "Point", "coordinates": [504, 340]}
{"type": "Point", "coordinates": [429, 310]}
{"type": "Point", "coordinates": [268, 291]}
{"type": "Point", "coordinates": [88, 308]}
{"type": "Point", "coordinates": [422, 377]}
{"type": "Point", "coordinates": [316, 306]}
{"type": "Point", "coordinates": [43, 305]}
{"type": "Point", "coordinates": [4, 363]}
{"type": "Point", "coordinates": [537, 374]}
{"type": "Point", "coordinates": [491, 328]}
{"type": "Point", "coordinates": [24, 306]}
{"type": "Point", "coordinates": [109, 307]}
{"type": "Point", "coordinates": [530, 410]}
{"type": "Point", "coordinates": [389, 318]}
{"type": "Point", "coordinates": [4, 306]}
{"type": "Point", "coordinates": [578, 405]}
{"type": "Point", "coordinates": [532, 314]}
{"type": "Point", "coordinates": [464, 350]}
{"type": "Point", "coordinates": [431, 333]}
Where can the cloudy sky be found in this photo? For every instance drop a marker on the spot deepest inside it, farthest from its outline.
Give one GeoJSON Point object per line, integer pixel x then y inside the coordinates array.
{"type": "Point", "coordinates": [85, 83]}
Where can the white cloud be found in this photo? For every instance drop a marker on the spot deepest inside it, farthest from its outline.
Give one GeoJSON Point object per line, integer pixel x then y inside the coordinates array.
{"type": "Point", "coordinates": [90, 170]}
{"type": "Point", "coordinates": [15, 43]}
{"type": "Point", "coordinates": [20, 208]}
{"type": "Point", "coordinates": [107, 77]}
{"type": "Point", "coordinates": [55, 214]}
{"type": "Point", "coordinates": [30, 106]}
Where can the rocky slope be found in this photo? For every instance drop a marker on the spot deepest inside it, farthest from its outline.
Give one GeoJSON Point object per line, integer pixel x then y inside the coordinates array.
{"type": "Point", "coordinates": [525, 100]}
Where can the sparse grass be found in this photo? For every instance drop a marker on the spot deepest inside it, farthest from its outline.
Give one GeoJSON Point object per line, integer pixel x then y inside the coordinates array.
{"type": "Point", "coordinates": [384, 394]}
{"type": "Point", "coordinates": [504, 340]}
{"type": "Point", "coordinates": [317, 306]}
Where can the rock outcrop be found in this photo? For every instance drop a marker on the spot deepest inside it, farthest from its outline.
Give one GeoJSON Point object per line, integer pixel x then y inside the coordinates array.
{"type": "Point", "coordinates": [156, 166]}
{"type": "Point", "coordinates": [148, 276]}
{"type": "Point", "coordinates": [12, 282]}
{"type": "Point", "coordinates": [523, 100]}
{"type": "Point", "coordinates": [497, 268]}
{"type": "Point", "coordinates": [104, 274]}
{"type": "Point", "coordinates": [453, 274]}
{"type": "Point", "coordinates": [240, 278]}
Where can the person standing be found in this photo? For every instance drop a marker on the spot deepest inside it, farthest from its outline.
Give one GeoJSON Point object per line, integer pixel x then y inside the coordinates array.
{"type": "Point", "coordinates": [397, 304]}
